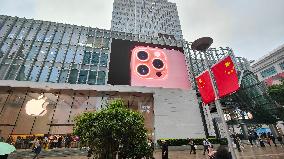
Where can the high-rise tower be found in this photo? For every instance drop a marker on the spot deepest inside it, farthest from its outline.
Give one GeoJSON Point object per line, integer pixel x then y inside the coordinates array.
{"type": "Point", "coordinates": [146, 17]}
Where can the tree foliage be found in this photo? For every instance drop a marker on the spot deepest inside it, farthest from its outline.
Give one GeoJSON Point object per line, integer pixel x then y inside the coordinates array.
{"type": "Point", "coordinates": [277, 92]}
{"type": "Point", "coordinates": [113, 129]}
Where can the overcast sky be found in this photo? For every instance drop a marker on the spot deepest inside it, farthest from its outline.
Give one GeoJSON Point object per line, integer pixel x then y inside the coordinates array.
{"type": "Point", "coordinates": [252, 28]}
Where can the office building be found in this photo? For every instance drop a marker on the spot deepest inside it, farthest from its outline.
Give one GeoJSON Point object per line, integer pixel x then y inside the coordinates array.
{"type": "Point", "coordinates": [146, 17]}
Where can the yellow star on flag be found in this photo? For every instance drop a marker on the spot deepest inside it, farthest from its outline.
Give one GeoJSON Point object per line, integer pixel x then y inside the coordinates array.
{"type": "Point", "coordinates": [200, 80]}
{"type": "Point", "coordinates": [227, 64]}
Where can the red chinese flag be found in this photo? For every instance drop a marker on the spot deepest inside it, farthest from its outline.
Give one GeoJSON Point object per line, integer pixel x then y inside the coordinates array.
{"type": "Point", "coordinates": [205, 87]}
{"type": "Point", "coordinates": [225, 76]}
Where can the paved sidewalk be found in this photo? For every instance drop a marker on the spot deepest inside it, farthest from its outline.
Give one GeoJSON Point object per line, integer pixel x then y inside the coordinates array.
{"type": "Point", "coordinates": [248, 153]}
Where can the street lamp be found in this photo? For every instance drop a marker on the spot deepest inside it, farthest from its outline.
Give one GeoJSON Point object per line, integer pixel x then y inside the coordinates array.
{"type": "Point", "coordinates": [202, 44]}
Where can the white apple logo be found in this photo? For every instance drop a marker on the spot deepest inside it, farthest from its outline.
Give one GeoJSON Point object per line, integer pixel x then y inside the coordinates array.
{"type": "Point", "coordinates": [37, 107]}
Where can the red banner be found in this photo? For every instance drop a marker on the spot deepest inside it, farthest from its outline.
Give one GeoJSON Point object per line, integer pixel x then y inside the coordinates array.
{"type": "Point", "coordinates": [226, 77]}
{"type": "Point", "coordinates": [205, 87]}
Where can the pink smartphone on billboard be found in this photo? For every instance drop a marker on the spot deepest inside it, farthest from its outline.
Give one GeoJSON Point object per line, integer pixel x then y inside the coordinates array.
{"type": "Point", "coordinates": [155, 67]}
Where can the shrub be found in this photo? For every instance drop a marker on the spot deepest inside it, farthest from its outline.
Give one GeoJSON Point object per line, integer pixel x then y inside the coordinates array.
{"type": "Point", "coordinates": [197, 141]}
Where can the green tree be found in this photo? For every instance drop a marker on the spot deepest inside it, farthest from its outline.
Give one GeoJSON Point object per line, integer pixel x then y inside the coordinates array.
{"type": "Point", "coordinates": [113, 129]}
{"type": "Point", "coordinates": [277, 92]}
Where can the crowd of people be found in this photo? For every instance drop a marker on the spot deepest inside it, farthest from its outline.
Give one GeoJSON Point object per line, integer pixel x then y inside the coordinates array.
{"type": "Point", "coordinates": [220, 153]}
{"type": "Point", "coordinates": [47, 141]}
{"type": "Point", "coordinates": [261, 140]}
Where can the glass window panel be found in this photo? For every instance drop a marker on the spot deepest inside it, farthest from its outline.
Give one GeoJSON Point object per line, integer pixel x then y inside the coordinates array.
{"type": "Point", "coordinates": [98, 42]}
{"type": "Point", "coordinates": [83, 39]}
{"type": "Point", "coordinates": [24, 72]}
{"type": "Point", "coordinates": [57, 37]}
{"type": "Point", "coordinates": [41, 34]}
{"type": "Point", "coordinates": [54, 75]}
{"type": "Point", "coordinates": [79, 105]}
{"type": "Point", "coordinates": [92, 102]}
{"type": "Point", "coordinates": [61, 53]}
{"type": "Point", "coordinates": [82, 77]}
{"type": "Point", "coordinates": [41, 124]}
{"type": "Point", "coordinates": [25, 122]}
{"type": "Point", "coordinates": [52, 53]}
{"type": "Point", "coordinates": [63, 76]}
{"type": "Point", "coordinates": [12, 106]}
{"type": "Point", "coordinates": [281, 65]}
{"type": "Point", "coordinates": [50, 34]}
{"type": "Point", "coordinates": [75, 36]}
{"type": "Point", "coordinates": [95, 59]}
{"type": "Point", "coordinates": [79, 55]}
{"type": "Point", "coordinates": [73, 76]}
{"type": "Point", "coordinates": [92, 77]}
{"type": "Point", "coordinates": [14, 49]}
{"type": "Point", "coordinates": [33, 52]}
{"type": "Point", "coordinates": [33, 31]}
{"type": "Point", "coordinates": [24, 51]}
{"type": "Point", "coordinates": [66, 36]}
{"type": "Point", "coordinates": [14, 31]}
{"type": "Point", "coordinates": [70, 54]}
{"type": "Point", "coordinates": [63, 107]}
{"type": "Point", "coordinates": [5, 47]}
{"type": "Point", "coordinates": [11, 75]}
{"type": "Point", "coordinates": [43, 52]}
{"type": "Point", "coordinates": [268, 72]}
{"type": "Point", "coordinates": [23, 33]}
{"type": "Point", "coordinates": [104, 60]}
{"type": "Point", "coordinates": [44, 74]}
{"type": "Point", "coordinates": [87, 57]}
{"type": "Point", "coordinates": [106, 43]}
{"type": "Point", "coordinates": [35, 72]}
{"type": "Point", "coordinates": [101, 78]}
{"type": "Point", "coordinates": [99, 33]}
{"type": "Point", "coordinates": [3, 69]}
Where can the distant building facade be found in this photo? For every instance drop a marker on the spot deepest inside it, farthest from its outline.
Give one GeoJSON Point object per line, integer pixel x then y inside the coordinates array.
{"type": "Point", "coordinates": [146, 17]}
{"type": "Point", "coordinates": [270, 68]}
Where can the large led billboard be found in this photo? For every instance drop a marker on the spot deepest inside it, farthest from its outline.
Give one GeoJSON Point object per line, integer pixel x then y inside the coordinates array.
{"type": "Point", "coordinates": [142, 64]}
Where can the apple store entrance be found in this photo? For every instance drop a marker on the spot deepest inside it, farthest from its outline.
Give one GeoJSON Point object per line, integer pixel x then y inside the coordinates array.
{"type": "Point", "coordinates": [30, 111]}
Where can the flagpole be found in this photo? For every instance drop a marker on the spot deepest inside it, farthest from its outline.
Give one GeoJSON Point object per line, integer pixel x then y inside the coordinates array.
{"type": "Point", "coordinates": [202, 45]}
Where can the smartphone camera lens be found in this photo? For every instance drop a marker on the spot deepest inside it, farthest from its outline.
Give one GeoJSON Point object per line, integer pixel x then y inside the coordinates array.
{"type": "Point", "coordinates": [143, 70]}
{"type": "Point", "coordinates": [142, 55]}
{"type": "Point", "coordinates": [157, 63]}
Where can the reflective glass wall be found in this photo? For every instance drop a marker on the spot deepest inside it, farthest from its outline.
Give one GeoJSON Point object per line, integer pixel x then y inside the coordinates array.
{"type": "Point", "coordinates": [61, 106]}
{"type": "Point", "coordinates": [41, 51]}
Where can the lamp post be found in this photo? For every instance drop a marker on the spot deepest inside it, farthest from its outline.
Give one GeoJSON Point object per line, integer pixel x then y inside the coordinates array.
{"type": "Point", "coordinates": [202, 44]}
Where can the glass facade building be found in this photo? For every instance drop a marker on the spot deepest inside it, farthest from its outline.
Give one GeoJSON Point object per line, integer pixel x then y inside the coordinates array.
{"type": "Point", "coordinates": [41, 51]}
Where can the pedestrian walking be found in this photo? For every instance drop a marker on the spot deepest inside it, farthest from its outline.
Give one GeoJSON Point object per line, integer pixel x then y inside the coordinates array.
{"type": "Point", "coordinates": [272, 138]}
{"type": "Point", "coordinates": [268, 140]}
{"type": "Point", "coordinates": [280, 140]}
{"type": "Point", "coordinates": [192, 146]}
{"type": "Point", "coordinates": [261, 142]}
{"type": "Point", "coordinates": [250, 138]}
{"type": "Point", "coordinates": [37, 148]}
{"type": "Point", "coordinates": [165, 149]}
{"type": "Point", "coordinates": [255, 138]}
{"type": "Point", "coordinates": [206, 145]}
{"type": "Point", "coordinates": [236, 141]}
{"type": "Point", "coordinates": [211, 152]}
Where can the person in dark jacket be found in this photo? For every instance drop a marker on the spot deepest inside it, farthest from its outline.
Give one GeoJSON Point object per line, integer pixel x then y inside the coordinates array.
{"type": "Point", "coordinates": [192, 146]}
{"type": "Point", "coordinates": [222, 153]}
{"type": "Point", "coordinates": [165, 150]}
{"type": "Point", "coordinates": [280, 140]}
